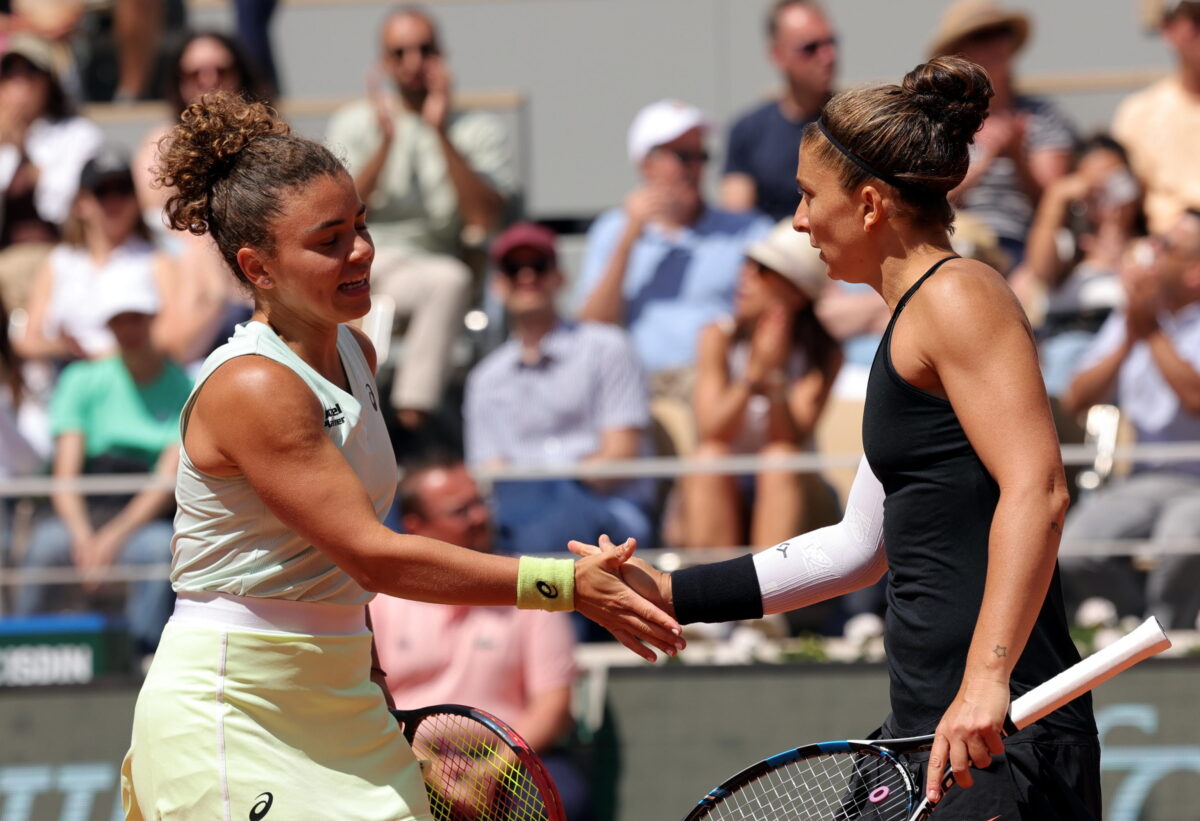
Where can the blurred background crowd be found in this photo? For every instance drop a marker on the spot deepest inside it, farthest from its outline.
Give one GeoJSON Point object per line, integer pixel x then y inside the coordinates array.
{"type": "Point", "coordinates": [530, 366]}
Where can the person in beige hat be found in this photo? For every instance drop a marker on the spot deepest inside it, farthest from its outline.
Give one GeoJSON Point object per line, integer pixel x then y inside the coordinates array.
{"type": "Point", "coordinates": [1025, 143]}
{"type": "Point", "coordinates": [763, 376]}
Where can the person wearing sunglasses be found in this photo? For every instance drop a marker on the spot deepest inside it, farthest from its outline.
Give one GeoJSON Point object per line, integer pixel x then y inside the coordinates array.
{"type": "Point", "coordinates": [205, 60]}
{"type": "Point", "coordinates": [437, 181]}
{"type": "Point", "coordinates": [665, 263]}
{"type": "Point", "coordinates": [764, 142]}
{"type": "Point", "coordinates": [556, 393]}
{"type": "Point", "coordinates": [106, 245]}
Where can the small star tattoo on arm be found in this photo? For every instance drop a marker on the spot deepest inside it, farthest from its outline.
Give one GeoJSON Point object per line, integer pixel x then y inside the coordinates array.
{"type": "Point", "coordinates": [1056, 527]}
{"type": "Point", "coordinates": [1000, 650]}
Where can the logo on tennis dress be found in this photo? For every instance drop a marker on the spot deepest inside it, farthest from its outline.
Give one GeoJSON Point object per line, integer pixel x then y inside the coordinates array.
{"type": "Point", "coordinates": [262, 807]}
{"type": "Point", "coordinates": [334, 416]}
{"type": "Point", "coordinates": [371, 393]}
{"type": "Point", "coordinates": [548, 590]}
{"type": "Point", "coordinates": [783, 548]}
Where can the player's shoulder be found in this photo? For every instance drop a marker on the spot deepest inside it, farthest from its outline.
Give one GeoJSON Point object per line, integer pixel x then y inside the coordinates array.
{"type": "Point", "coordinates": [968, 300]}
{"type": "Point", "coordinates": [365, 345]}
{"type": "Point", "coordinates": [256, 387]}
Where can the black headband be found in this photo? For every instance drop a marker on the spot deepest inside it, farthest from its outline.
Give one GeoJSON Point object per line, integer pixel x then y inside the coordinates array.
{"type": "Point", "coordinates": [859, 161]}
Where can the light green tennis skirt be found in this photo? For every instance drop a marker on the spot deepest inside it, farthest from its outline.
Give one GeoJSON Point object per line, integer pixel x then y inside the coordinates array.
{"type": "Point", "coordinates": [237, 723]}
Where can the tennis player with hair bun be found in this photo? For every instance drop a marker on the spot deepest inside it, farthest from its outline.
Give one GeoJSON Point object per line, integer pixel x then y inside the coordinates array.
{"type": "Point", "coordinates": [260, 701]}
{"type": "Point", "coordinates": [961, 493]}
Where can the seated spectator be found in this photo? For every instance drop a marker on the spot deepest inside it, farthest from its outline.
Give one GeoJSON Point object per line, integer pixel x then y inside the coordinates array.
{"type": "Point", "coordinates": [1146, 358]}
{"type": "Point", "coordinates": [43, 147]}
{"type": "Point", "coordinates": [437, 182]}
{"type": "Point", "coordinates": [1158, 125]}
{"type": "Point", "coordinates": [665, 264]}
{"type": "Point", "coordinates": [206, 301]}
{"type": "Point", "coordinates": [764, 144]}
{"type": "Point", "coordinates": [105, 245]}
{"type": "Point", "coordinates": [119, 414]}
{"type": "Point", "coordinates": [1025, 142]}
{"type": "Point", "coordinates": [24, 433]}
{"type": "Point", "coordinates": [516, 664]}
{"type": "Point", "coordinates": [762, 380]}
{"type": "Point", "coordinates": [557, 393]}
{"type": "Point", "coordinates": [1085, 226]}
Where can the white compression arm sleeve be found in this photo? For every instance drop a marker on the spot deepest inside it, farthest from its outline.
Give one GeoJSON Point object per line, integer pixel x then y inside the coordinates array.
{"type": "Point", "coordinates": [831, 561]}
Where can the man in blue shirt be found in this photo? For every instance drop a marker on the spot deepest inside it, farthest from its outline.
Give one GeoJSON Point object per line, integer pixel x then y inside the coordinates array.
{"type": "Point", "coordinates": [557, 393]}
{"type": "Point", "coordinates": [665, 264]}
{"type": "Point", "coordinates": [764, 144]}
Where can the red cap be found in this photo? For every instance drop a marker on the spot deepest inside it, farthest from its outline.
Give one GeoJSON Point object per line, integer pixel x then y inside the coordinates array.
{"type": "Point", "coordinates": [525, 235]}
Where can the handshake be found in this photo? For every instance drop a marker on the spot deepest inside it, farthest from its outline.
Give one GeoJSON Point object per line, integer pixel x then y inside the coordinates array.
{"type": "Point", "coordinates": [626, 596]}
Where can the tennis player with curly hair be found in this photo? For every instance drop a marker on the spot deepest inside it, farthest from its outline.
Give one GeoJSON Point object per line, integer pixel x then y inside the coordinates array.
{"type": "Point", "coordinates": [260, 701]}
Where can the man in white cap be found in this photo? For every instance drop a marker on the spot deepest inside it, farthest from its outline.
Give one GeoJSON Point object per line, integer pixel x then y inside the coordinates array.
{"type": "Point", "coordinates": [1158, 125]}
{"type": "Point", "coordinates": [665, 264]}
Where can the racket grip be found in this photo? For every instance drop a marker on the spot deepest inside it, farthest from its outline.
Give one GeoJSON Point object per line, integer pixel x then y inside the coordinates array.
{"type": "Point", "coordinates": [1147, 640]}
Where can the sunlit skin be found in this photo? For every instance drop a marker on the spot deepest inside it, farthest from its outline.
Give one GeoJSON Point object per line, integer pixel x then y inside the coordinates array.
{"type": "Point", "coordinates": [206, 66]}
{"type": "Point", "coordinates": [319, 272]}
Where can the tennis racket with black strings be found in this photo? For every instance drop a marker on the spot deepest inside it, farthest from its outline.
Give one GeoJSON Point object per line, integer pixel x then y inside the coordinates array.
{"type": "Point", "coordinates": [477, 768]}
{"type": "Point", "coordinates": [869, 781]}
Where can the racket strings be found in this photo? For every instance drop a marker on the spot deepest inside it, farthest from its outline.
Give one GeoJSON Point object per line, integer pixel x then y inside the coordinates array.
{"type": "Point", "coordinates": [837, 787]}
{"type": "Point", "coordinates": [473, 774]}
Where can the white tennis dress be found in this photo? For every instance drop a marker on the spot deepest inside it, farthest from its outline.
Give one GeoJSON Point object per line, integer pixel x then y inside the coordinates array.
{"type": "Point", "coordinates": [259, 702]}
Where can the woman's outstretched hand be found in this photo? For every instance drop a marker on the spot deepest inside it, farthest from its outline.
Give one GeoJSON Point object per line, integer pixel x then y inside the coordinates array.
{"type": "Point", "coordinates": [630, 609]}
{"type": "Point", "coordinates": [648, 581]}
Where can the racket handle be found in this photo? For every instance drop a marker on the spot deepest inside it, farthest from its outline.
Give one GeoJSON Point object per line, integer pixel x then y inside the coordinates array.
{"type": "Point", "coordinates": [1147, 640]}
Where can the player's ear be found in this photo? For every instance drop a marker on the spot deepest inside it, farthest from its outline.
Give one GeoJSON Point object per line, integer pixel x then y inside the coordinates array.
{"type": "Point", "coordinates": [252, 264]}
{"type": "Point", "coordinates": [874, 207]}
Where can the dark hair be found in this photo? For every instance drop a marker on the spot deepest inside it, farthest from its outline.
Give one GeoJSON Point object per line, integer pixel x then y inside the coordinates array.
{"type": "Point", "coordinates": [414, 468]}
{"type": "Point", "coordinates": [10, 360]}
{"type": "Point", "coordinates": [229, 162]}
{"type": "Point", "coordinates": [251, 85]}
{"type": "Point", "coordinates": [58, 105]}
{"type": "Point", "coordinates": [780, 6]}
{"type": "Point", "coordinates": [1101, 141]}
{"type": "Point", "coordinates": [916, 133]}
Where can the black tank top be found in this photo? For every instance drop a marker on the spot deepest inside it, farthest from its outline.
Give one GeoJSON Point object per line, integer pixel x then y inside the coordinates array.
{"type": "Point", "coordinates": [937, 516]}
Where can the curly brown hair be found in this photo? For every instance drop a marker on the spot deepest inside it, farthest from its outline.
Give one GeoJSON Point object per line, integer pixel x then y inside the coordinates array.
{"type": "Point", "coordinates": [917, 133]}
{"type": "Point", "coordinates": [230, 162]}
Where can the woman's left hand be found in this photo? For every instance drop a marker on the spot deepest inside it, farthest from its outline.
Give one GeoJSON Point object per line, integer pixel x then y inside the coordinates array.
{"type": "Point", "coordinates": [969, 734]}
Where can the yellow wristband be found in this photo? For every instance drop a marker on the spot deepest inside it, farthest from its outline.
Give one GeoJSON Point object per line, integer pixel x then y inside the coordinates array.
{"type": "Point", "coordinates": [545, 584]}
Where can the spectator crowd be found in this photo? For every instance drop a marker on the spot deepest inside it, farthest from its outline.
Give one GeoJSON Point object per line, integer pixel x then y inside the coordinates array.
{"type": "Point", "coordinates": [695, 327]}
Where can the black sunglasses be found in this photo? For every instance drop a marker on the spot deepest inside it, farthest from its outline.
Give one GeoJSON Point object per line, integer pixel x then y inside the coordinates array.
{"type": "Point", "coordinates": [687, 157]}
{"type": "Point", "coordinates": [811, 48]}
{"type": "Point", "coordinates": [427, 49]}
{"type": "Point", "coordinates": [513, 268]}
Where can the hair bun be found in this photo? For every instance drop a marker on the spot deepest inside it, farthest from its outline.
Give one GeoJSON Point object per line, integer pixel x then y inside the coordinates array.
{"type": "Point", "coordinates": [951, 91]}
{"type": "Point", "coordinates": [202, 149]}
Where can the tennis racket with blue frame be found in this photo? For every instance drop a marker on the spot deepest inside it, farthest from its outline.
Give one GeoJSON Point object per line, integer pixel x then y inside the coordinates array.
{"type": "Point", "coordinates": [869, 780]}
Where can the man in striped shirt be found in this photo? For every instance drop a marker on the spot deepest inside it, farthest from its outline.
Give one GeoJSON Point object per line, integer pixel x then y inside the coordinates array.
{"type": "Point", "coordinates": [556, 393]}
